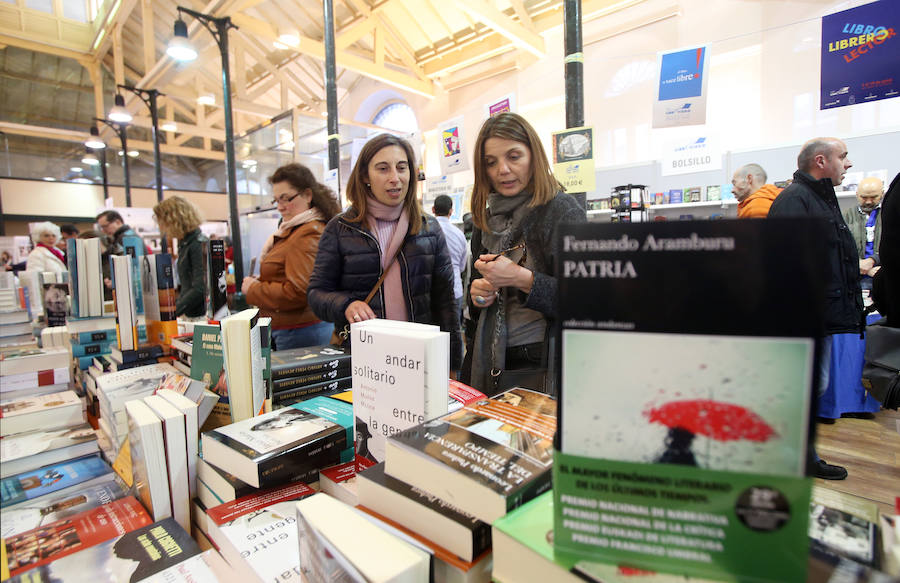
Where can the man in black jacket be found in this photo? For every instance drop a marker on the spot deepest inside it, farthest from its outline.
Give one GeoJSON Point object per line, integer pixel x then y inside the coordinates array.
{"type": "Point", "coordinates": [822, 164]}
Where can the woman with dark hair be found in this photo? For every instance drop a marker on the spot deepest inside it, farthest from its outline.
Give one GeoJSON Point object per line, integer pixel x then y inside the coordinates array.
{"type": "Point", "coordinates": [287, 258]}
{"type": "Point", "coordinates": [385, 232]}
{"type": "Point", "coordinates": [516, 205]}
{"type": "Point", "coordinates": [178, 218]}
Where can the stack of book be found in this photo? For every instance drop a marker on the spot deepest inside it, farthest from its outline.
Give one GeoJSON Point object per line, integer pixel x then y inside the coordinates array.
{"type": "Point", "coordinates": [15, 322]}
{"type": "Point", "coordinates": [140, 356]}
{"type": "Point", "coordinates": [301, 373]}
{"type": "Point", "coordinates": [115, 389]}
{"type": "Point", "coordinates": [182, 350]}
{"type": "Point", "coordinates": [33, 371]}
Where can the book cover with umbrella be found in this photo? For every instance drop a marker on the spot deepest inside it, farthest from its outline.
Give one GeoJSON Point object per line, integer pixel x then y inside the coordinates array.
{"type": "Point", "coordinates": [716, 402]}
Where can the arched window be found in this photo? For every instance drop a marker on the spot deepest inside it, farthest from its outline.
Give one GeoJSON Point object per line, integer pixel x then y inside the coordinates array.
{"type": "Point", "coordinates": [398, 117]}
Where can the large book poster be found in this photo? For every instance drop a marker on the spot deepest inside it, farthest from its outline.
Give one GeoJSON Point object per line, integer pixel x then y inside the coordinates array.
{"type": "Point", "coordinates": [681, 81]}
{"type": "Point", "coordinates": [454, 157]}
{"type": "Point", "coordinates": [859, 55]}
{"type": "Point", "coordinates": [686, 384]}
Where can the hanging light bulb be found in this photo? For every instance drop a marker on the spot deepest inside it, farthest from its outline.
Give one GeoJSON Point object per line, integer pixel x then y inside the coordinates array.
{"type": "Point", "coordinates": [118, 113]}
{"type": "Point", "coordinates": [94, 141]}
{"type": "Point", "coordinates": [90, 159]}
{"type": "Point", "coordinates": [180, 47]}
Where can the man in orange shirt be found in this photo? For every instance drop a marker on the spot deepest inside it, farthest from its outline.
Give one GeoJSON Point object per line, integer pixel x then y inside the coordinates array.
{"type": "Point", "coordinates": [754, 196]}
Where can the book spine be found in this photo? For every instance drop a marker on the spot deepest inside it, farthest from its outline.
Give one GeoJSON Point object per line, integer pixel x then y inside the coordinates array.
{"type": "Point", "coordinates": [310, 379]}
{"type": "Point", "coordinates": [129, 356]}
{"type": "Point", "coordinates": [90, 349]}
{"type": "Point", "coordinates": [134, 248]}
{"type": "Point", "coordinates": [216, 284]}
{"type": "Point", "coordinates": [165, 283]}
{"type": "Point", "coordinates": [296, 370]}
{"type": "Point", "coordinates": [312, 456]}
{"type": "Point", "coordinates": [95, 336]}
{"type": "Point", "coordinates": [301, 393]}
{"type": "Point", "coordinates": [72, 264]}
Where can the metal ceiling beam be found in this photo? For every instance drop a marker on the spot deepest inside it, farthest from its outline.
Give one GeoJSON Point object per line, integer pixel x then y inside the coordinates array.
{"type": "Point", "coordinates": [520, 36]}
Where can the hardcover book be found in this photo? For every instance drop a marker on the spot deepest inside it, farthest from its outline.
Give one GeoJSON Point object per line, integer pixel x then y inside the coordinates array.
{"type": "Point", "coordinates": [400, 379]}
{"type": "Point", "coordinates": [297, 362]}
{"type": "Point", "coordinates": [265, 449]}
{"type": "Point", "coordinates": [488, 458]}
{"type": "Point", "coordinates": [236, 527]}
{"type": "Point", "coordinates": [55, 540]}
{"type": "Point", "coordinates": [718, 426]}
{"type": "Point", "coordinates": [433, 518]}
{"type": "Point", "coordinates": [57, 506]}
{"type": "Point", "coordinates": [131, 557]}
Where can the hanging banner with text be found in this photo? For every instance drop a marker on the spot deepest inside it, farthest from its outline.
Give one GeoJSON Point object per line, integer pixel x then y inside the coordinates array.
{"type": "Point", "coordinates": [689, 155]}
{"type": "Point", "coordinates": [859, 55]}
{"type": "Point", "coordinates": [573, 159]}
{"type": "Point", "coordinates": [682, 81]}
{"type": "Point", "coordinates": [453, 155]}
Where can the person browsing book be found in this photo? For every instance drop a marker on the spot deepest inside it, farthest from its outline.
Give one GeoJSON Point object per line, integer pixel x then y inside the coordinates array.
{"type": "Point", "coordinates": [287, 258]}
{"type": "Point", "coordinates": [45, 256]}
{"type": "Point", "coordinates": [516, 205]}
{"type": "Point", "coordinates": [385, 232]}
{"type": "Point", "coordinates": [179, 219]}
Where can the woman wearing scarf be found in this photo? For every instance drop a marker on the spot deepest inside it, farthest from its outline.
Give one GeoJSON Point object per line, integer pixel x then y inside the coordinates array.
{"type": "Point", "coordinates": [179, 219]}
{"type": "Point", "coordinates": [287, 258]}
{"type": "Point", "coordinates": [45, 256]}
{"type": "Point", "coordinates": [385, 230]}
{"type": "Point", "coordinates": [516, 205]}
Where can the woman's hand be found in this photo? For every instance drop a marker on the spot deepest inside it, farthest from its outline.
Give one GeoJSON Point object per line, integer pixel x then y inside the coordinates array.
{"type": "Point", "coordinates": [482, 292]}
{"type": "Point", "coordinates": [247, 284]}
{"type": "Point", "coordinates": [501, 272]}
{"type": "Point", "coordinates": [358, 311]}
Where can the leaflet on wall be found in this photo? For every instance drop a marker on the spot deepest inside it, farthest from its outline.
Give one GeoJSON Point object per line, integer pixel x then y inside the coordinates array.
{"type": "Point", "coordinates": [689, 155]}
{"type": "Point", "coordinates": [859, 55]}
{"type": "Point", "coordinates": [507, 103]}
{"type": "Point", "coordinates": [682, 82]}
{"type": "Point", "coordinates": [684, 406]}
{"type": "Point", "coordinates": [332, 181]}
{"type": "Point", "coordinates": [454, 157]}
{"type": "Point", "coordinates": [573, 159]}
{"type": "Point", "coordinates": [434, 187]}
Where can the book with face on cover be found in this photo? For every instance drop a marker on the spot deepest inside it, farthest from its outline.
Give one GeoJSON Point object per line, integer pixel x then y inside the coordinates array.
{"type": "Point", "coordinates": [262, 450]}
{"type": "Point", "coordinates": [51, 542]}
{"type": "Point", "coordinates": [488, 457]}
{"type": "Point", "coordinates": [128, 558]}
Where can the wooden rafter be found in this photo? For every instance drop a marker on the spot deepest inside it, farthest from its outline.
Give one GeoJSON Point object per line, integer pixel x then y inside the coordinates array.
{"type": "Point", "coordinates": [520, 36]}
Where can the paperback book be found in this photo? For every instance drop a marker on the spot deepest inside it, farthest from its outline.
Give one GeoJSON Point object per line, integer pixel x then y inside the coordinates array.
{"type": "Point", "coordinates": [268, 448]}
{"type": "Point", "coordinates": [158, 283]}
{"type": "Point", "coordinates": [297, 362]}
{"type": "Point", "coordinates": [33, 484]}
{"type": "Point", "coordinates": [31, 450]}
{"type": "Point", "coordinates": [216, 286]}
{"type": "Point", "coordinates": [134, 556]}
{"type": "Point", "coordinates": [51, 542]}
{"type": "Point", "coordinates": [208, 365]}
{"type": "Point", "coordinates": [716, 426]}
{"type": "Point", "coordinates": [54, 410]}
{"type": "Point", "coordinates": [57, 507]}
{"type": "Point", "coordinates": [400, 379]}
{"type": "Point", "coordinates": [488, 458]}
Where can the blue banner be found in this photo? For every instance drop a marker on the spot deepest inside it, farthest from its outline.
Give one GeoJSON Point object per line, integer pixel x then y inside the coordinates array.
{"type": "Point", "coordinates": [859, 54]}
{"type": "Point", "coordinates": [682, 83]}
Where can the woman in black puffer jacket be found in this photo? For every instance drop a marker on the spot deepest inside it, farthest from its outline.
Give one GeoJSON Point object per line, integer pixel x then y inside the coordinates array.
{"type": "Point", "coordinates": [385, 229]}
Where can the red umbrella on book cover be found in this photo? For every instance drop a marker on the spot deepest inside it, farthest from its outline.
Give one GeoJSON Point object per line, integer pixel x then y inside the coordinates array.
{"type": "Point", "coordinates": [713, 419]}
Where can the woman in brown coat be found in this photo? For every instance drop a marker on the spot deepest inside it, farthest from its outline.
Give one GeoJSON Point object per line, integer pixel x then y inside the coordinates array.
{"type": "Point", "coordinates": [288, 257]}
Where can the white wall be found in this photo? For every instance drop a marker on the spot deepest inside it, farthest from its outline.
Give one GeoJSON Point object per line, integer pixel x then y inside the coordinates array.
{"type": "Point", "coordinates": [763, 83]}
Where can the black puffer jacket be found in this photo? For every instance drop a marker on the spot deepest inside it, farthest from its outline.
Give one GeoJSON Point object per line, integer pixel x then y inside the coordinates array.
{"type": "Point", "coordinates": [808, 197]}
{"type": "Point", "coordinates": [348, 265]}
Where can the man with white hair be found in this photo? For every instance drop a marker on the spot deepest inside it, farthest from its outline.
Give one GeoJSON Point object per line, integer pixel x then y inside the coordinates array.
{"type": "Point", "coordinates": [864, 222]}
{"type": "Point", "coordinates": [821, 166]}
{"type": "Point", "coordinates": [754, 196]}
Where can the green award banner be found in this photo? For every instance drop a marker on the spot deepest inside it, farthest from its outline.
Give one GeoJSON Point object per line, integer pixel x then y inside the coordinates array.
{"type": "Point", "coordinates": [680, 519]}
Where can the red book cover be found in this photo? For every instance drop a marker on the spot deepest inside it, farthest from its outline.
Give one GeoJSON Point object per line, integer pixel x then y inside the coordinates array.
{"type": "Point", "coordinates": [237, 508]}
{"type": "Point", "coordinates": [341, 473]}
{"type": "Point", "coordinates": [47, 543]}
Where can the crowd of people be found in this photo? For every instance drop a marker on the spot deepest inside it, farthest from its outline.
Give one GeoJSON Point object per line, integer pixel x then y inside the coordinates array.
{"type": "Point", "coordinates": [383, 257]}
